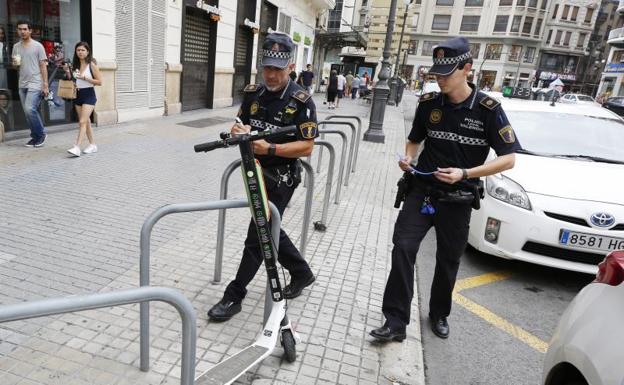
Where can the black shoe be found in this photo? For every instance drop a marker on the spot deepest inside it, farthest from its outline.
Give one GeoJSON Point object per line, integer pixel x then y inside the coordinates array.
{"type": "Point", "coordinates": [30, 143]}
{"type": "Point", "coordinates": [224, 310]}
{"type": "Point", "coordinates": [387, 333]}
{"type": "Point", "coordinates": [41, 141]}
{"type": "Point", "coordinates": [439, 326]}
{"type": "Point", "coordinates": [294, 288]}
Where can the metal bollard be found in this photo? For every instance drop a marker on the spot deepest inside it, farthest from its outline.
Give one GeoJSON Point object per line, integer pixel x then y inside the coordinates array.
{"type": "Point", "coordinates": [359, 133]}
{"type": "Point", "coordinates": [343, 155]}
{"type": "Point", "coordinates": [321, 225]}
{"type": "Point", "coordinates": [225, 178]}
{"type": "Point", "coordinates": [351, 145]}
{"type": "Point", "coordinates": [144, 263]}
{"type": "Point", "coordinates": [53, 306]}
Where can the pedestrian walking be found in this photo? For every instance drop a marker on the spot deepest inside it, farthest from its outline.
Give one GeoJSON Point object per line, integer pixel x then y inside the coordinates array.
{"type": "Point", "coordinates": [279, 102]}
{"type": "Point", "coordinates": [6, 110]}
{"type": "Point", "coordinates": [364, 84]}
{"type": "Point", "coordinates": [349, 78]}
{"type": "Point", "coordinates": [460, 124]}
{"type": "Point", "coordinates": [29, 57]}
{"type": "Point", "coordinates": [87, 75]}
{"type": "Point", "coordinates": [342, 83]}
{"type": "Point", "coordinates": [4, 59]}
{"type": "Point", "coordinates": [307, 76]}
{"type": "Point", "coordinates": [355, 85]}
{"type": "Point", "coordinates": [332, 89]}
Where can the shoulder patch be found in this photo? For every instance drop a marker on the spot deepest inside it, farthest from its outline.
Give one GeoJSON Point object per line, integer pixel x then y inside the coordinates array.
{"type": "Point", "coordinates": [301, 96]}
{"type": "Point", "coordinates": [252, 87]}
{"type": "Point", "coordinates": [489, 103]}
{"type": "Point", "coordinates": [428, 96]}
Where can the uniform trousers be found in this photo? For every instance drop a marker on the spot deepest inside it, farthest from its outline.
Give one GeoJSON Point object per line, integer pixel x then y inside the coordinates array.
{"type": "Point", "coordinates": [451, 222]}
{"type": "Point", "coordinates": [289, 257]}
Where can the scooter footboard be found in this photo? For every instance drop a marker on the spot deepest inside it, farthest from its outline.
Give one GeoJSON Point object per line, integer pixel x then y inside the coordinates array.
{"type": "Point", "coordinates": [229, 370]}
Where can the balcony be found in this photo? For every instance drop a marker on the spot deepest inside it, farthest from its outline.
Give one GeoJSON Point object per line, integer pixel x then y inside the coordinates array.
{"type": "Point", "coordinates": [620, 8]}
{"type": "Point", "coordinates": [616, 37]}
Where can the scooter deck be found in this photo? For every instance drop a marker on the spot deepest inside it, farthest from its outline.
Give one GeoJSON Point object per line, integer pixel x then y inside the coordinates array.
{"type": "Point", "coordinates": [230, 369]}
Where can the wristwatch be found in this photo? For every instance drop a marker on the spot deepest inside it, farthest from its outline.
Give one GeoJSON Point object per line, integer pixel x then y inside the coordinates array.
{"type": "Point", "coordinates": [464, 174]}
{"type": "Point", "coordinates": [272, 148]}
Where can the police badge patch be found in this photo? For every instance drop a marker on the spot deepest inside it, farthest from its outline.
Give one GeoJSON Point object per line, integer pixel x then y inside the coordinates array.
{"type": "Point", "coordinates": [308, 130]}
{"type": "Point", "coordinates": [254, 108]}
{"type": "Point", "coordinates": [507, 134]}
{"type": "Point", "coordinates": [435, 116]}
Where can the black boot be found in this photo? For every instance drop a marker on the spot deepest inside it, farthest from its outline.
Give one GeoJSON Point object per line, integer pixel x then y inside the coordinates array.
{"type": "Point", "coordinates": [224, 310]}
{"type": "Point", "coordinates": [295, 287]}
{"type": "Point", "coordinates": [387, 333]}
{"type": "Point", "coordinates": [439, 326]}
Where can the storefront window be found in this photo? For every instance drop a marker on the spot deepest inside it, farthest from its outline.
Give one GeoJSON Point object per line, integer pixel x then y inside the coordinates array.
{"type": "Point", "coordinates": [56, 24]}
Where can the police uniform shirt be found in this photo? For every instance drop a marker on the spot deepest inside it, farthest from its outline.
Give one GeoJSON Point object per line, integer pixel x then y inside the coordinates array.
{"type": "Point", "coordinates": [263, 109]}
{"type": "Point", "coordinates": [460, 135]}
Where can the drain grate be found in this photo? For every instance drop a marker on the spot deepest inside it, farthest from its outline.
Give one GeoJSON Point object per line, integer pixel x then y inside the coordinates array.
{"type": "Point", "coordinates": [206, 122]}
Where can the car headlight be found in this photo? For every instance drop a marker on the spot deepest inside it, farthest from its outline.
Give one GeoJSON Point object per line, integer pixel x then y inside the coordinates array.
{"type": "Point", "coordinates": [504, 189]}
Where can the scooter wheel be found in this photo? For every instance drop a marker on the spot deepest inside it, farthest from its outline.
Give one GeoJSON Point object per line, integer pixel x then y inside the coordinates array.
{"type": "Point", "coordinates": [288, 342]}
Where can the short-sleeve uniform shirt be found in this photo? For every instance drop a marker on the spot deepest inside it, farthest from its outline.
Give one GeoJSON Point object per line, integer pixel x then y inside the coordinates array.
{"type": "Point", "coordinates": [263, 109]}
{"type": "Point", "coordinates": [461, 135]}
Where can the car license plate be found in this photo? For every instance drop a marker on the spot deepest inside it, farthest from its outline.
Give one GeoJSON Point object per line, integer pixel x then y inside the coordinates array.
{"type": "Point", "coordinates": [590, 241]}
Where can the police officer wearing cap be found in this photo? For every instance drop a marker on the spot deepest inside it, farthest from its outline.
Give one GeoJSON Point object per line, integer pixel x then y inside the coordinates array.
{"type": "Point", "coordinates": [276, 103]}
{"type": "Point", "coordinates": [459, 125]}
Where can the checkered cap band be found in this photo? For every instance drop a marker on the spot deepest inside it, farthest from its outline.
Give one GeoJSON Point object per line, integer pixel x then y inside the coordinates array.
{"type": "Point", "coordinates": [451, 60]}
{"type": "Point", "coordinates": [275, 54]}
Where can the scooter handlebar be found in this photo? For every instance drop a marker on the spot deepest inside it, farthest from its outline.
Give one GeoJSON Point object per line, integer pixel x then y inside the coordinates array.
{"type": "Point", "coordinates": [234, 140]}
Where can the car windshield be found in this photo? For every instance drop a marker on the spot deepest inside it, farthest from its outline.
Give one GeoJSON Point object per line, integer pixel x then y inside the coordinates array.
{"type": "Point", "coordinates": [560, 134]}
{"type": "Point", "coordinates": [584, 98]}
{"type": "Point", "coordinates": [616, 100]}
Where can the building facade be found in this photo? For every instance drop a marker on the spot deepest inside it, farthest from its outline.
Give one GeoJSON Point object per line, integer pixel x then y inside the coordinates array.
{"type": "Point", "coordinates": [565, 44]}
{"type": "Point", "coordinates": [157, 57]}
{"type": "Point", "coordinates": [612, 79]}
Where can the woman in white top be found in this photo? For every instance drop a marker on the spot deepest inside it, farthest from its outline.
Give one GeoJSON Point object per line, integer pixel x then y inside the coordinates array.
{"type": "Point", "coordinates": [87, 75]}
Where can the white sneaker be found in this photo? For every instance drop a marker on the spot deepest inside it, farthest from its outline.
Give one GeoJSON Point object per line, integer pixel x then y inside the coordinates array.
{"type": "Point", "coordinates": [75, 151]}
{"type": "Point", "coordinates": [90, 149]}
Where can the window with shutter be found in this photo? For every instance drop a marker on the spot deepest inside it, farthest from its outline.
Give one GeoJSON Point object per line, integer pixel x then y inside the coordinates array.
{"type": "Point", "coordinates": [157, 65]}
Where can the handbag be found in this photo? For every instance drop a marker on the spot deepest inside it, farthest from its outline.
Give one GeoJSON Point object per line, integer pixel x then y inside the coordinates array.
{"type": "Point", "coordinates": [66, 89]}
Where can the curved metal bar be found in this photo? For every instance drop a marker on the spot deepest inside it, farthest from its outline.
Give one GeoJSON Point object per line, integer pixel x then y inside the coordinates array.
{"type": "Point", "coordinates": [359, 133]}
{"type": "Point", "coordinates": [53, 306]}
{"type": "Point", "coordinates": [321, 225]}
{"type": "Point", "coordinates": [351, 145]}
{"type": "Point", "coordinates": [144, 264]}
{"type": "Point", "coordinates": [307, 209]}
{"type": "Point", "coordinates": [343, 155]}
{"type": "Point", "coordinates": [221, 222]}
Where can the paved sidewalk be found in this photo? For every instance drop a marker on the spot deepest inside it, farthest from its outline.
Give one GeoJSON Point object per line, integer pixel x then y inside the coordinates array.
{"type": "Point", "coordinates": [71, 226]}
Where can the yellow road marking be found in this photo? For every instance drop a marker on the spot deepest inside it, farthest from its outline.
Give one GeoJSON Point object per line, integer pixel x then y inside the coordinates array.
{"type": "Point", "coordinates": [485, 314]}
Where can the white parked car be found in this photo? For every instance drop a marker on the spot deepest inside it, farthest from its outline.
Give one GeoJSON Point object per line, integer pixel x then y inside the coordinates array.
{"type": "Point", "coordinates": [577, 98]}
{"type": "Point", "coordinates": [562, 204]}
{"type": "Point", "coordinates": [586, 348]}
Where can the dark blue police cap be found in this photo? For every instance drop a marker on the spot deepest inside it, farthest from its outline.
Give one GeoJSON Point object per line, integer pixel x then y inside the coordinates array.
{"type": "Point", "coordinates": [277, 50]}
{"type": "Point", "coordinates": [448, 54]}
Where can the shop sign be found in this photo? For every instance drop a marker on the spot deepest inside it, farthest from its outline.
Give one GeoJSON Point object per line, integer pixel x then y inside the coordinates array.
{"type": "Point", "coordinates": [255, 27]}
{"type": "Point", "coordinates": [553, 75]}
{"type": "Point", "coordinates": [614, 67]}
{"type": "Point", "coordinates": [214, 12]}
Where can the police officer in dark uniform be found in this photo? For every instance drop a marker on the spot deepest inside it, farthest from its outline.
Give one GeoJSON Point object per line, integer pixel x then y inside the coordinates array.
{"type": "Point", "coordinates": [460, 124]}
{"type": "Point", "coordinates": [279, 102]}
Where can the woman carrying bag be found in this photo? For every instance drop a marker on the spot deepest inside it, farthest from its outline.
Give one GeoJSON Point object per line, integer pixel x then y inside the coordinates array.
{"type": "Point", "coordinates": [87, 75]}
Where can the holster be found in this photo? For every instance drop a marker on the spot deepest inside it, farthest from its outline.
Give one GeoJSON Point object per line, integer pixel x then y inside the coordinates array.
{"type": "Point", "coordinates": [403, 187]}
{"type": "Point", "coordinates": [289, 174]}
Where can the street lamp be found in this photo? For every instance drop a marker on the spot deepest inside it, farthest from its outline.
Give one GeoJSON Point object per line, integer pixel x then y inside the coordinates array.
{"type": "Point", "coordinates": [394, 81]}
{"type": "Point", "coordinates": [381, 89]}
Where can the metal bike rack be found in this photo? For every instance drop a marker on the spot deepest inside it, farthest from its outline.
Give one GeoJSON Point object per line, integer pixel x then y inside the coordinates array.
{"type": "Point", "coordinates": [144, 265]}
{"type": "Point", "coordinates": [321, 225]}
{"type": "Point", "coordinates": [351, 146]}
{"type": "Point", "coordinates": [225, 178]}
{"type": "Point", "coordinates": [54, 306]}
{"type": "Point", "coordinates": [359, 133]}
{"type": "Point", "coordinates": [343, 155]}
